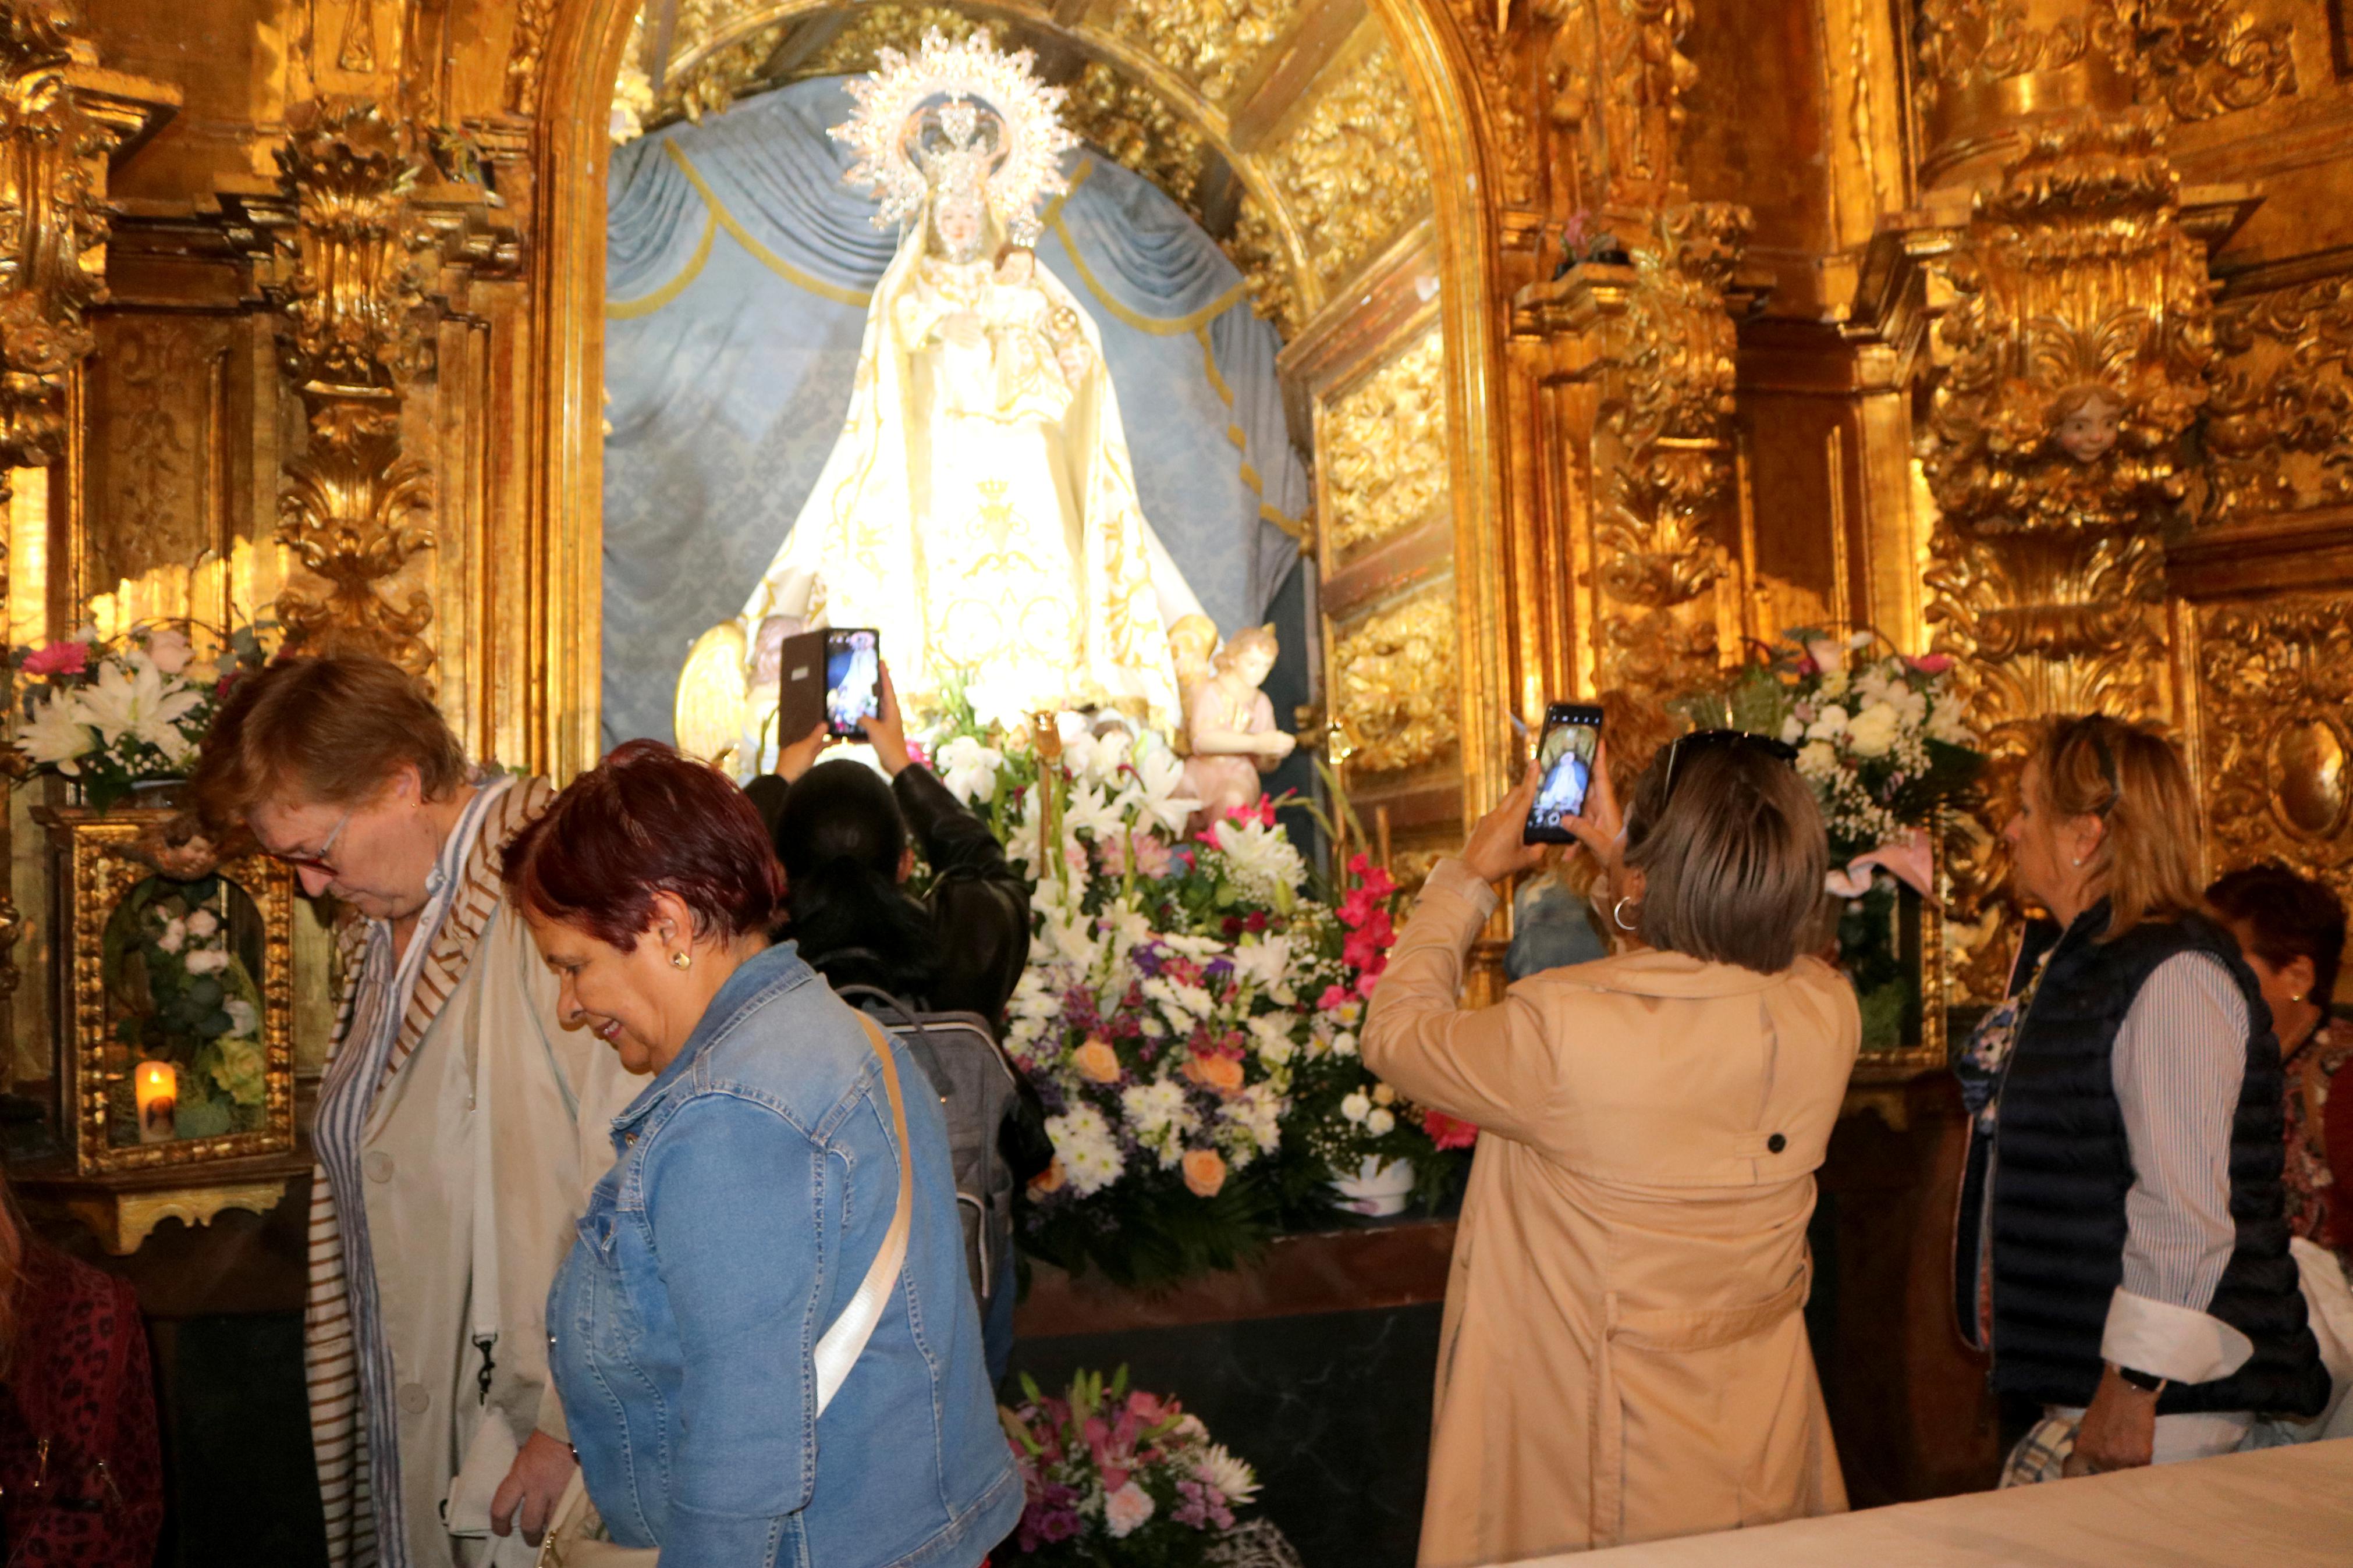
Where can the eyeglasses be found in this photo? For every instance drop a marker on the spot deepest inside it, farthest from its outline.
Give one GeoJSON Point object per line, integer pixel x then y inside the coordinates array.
{"type": "Point", "coordinates": [319, 861]}
{"type": "Point", "coordinates": [1702, 739]}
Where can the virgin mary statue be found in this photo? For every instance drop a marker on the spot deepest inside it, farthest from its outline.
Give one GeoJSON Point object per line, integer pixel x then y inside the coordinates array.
{"type": "Point", "coordinates": [978, 508]}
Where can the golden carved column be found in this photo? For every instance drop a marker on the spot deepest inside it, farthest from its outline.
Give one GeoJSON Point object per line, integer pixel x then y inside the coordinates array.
{"type": "Point", "coordinates": [58, 126]}
{"type": "Point", "coordinates": [353, 275]}
{"type": "Point", "coordinates": [1635, 366]}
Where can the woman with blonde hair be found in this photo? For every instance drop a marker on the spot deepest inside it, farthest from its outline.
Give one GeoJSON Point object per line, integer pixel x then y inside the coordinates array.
{"type": "Point", "coordinates": [1624, 1356]}
{"type": "Point", "coordinates": [2123, 1250]}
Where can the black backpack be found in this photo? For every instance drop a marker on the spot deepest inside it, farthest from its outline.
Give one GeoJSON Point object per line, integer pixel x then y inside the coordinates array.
{"type": "Point", "coordinates": [979, 1093]}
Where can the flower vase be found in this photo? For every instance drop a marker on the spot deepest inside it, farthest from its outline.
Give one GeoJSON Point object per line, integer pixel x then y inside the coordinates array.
{"type": "Point", "coordinates": [1379, 1188]}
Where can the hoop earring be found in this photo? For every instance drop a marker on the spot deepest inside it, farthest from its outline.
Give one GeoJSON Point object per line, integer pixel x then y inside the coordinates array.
{"type": "Point", "coordinates": [1618, 914]}
{"type": "Point", "coordinates": [682, 960]}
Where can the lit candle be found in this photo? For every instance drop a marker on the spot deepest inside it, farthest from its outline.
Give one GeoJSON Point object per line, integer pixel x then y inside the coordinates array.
{"type": "Point", "coordinates": [157, 1089]}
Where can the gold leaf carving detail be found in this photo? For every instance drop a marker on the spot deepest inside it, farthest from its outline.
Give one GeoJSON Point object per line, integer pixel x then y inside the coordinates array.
{"type": "Point", "coordinates": [1352, 168]}
{"type": "Point", "coordinates": [1140, 131]}
{"type": "Point", "coordinates": [1974, 42]}
{"type": "Point", "coordinates": [1393, 674]}
{"type": "Point", "coordinates": [358, 329]}
{"type": "Point", "coordinates": [527, 54]}
{"type": "Point", "coordinates": [1384, 449]}
{"type": "Point", "coordinates": [2278, 687]}
{"type": "Point", "coordinates": [2279, 413]}
{"type": "Point", "coordinates": [2202, 59]}
{"type": "Point", "coordinates": [1211, 43]}
{"type": "Point", "coordinates": [857, 48]}
{"type": "Point", "coordinates": [1256, 246]}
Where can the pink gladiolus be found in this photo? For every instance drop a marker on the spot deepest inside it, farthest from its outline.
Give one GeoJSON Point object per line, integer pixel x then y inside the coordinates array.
{"type": "Point", "coordinates": [59, 658]}
{"type": "Point", "coordinates": [1932, 664]}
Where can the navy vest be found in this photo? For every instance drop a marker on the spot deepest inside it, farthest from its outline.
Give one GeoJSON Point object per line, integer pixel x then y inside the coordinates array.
{"type": "Point", "coordinates": [2062, 1167]}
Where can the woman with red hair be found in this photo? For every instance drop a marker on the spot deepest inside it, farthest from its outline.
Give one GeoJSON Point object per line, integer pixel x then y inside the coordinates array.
{"type": "Point", "coordinates": [780, 1226]}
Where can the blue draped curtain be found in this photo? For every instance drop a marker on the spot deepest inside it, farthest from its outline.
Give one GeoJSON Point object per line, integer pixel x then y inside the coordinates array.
{"type": "Point", "coordinates": [737, 272]}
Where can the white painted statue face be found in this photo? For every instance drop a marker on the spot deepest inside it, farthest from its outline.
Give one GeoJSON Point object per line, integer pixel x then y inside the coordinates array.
{"type": "Point", "coordinates": [956, 224]}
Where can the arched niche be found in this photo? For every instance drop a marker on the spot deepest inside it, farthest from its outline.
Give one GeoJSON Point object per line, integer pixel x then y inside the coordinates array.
{"type": "Point", "coordinates": [1432, 286]}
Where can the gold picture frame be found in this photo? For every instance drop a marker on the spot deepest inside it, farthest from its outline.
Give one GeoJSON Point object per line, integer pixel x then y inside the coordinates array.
{"type": "Point", "coordinates": [92, 872]}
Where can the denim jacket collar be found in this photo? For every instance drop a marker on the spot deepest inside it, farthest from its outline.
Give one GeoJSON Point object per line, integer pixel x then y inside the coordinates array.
{"type": "Point", "coordinates": [759, 977]}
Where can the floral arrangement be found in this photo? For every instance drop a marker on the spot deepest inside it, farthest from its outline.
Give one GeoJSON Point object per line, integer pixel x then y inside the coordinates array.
{"type": "Point", "coordinates": [110, 716]}
{"type": "Point", "coordinates": [1885, 742]}
{"type": "Point", "coordinates": [1114, 1475]}
{"type": "Point", "coordinates": [1189, 1012]}
{"type": "Point", "coordinates": [179, 959]}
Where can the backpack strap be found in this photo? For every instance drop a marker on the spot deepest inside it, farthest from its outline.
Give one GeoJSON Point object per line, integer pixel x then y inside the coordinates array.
{"type": "Point", "coordinates": [838, 1349]}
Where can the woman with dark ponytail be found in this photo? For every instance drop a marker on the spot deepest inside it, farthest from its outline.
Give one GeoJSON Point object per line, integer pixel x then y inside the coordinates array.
{"type": "Point", "coordinates": [844, 837]}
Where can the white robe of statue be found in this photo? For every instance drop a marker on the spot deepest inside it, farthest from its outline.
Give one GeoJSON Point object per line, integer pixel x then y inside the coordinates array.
{"type": "Point", "coordinates": [978, 508]}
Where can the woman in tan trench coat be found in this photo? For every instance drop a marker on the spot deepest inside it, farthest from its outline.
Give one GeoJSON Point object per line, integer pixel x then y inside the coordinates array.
{"type": "Point", "coordinates": [1624, 1356]}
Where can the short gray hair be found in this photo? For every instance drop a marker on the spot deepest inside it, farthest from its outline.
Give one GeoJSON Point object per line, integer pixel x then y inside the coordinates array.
{"type": "Point", "coordinates": [1734, 861]}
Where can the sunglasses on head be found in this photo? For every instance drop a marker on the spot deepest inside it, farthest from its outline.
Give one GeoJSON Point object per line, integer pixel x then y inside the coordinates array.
{"type": "Point", "coordinates": [1709, 740]}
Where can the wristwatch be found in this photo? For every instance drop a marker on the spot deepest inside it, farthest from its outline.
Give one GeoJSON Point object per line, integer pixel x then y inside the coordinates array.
{"type": "Point", "coordinates": [2146, 1382]}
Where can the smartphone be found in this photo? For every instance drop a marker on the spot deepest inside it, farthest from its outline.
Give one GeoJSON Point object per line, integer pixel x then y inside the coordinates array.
{"type": "Point", "coordinates": [1572, 739]}
{"type": "Point", "coordinates": [834, 675]}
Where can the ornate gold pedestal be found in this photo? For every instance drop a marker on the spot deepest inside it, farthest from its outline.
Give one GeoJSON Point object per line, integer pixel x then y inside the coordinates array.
{"type": "Point", "coordinates": [123, 1208]}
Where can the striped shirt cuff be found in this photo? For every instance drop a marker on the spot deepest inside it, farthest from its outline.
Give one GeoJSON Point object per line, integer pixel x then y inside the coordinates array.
{"type": "Point", "coordinates": [2169, 1341]}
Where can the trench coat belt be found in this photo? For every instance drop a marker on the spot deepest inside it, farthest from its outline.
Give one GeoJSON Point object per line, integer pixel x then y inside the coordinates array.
{"type": "Point", "coordinates": [1659, 1329]}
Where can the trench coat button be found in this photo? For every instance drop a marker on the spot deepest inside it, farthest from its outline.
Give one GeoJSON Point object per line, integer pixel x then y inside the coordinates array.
{"type": "Point", "coordinates": [414, 1399]}
{"type": "Point", "coordinates": [378, 1165]}
{"type": "Point", "coordinates": [1776, 1143]}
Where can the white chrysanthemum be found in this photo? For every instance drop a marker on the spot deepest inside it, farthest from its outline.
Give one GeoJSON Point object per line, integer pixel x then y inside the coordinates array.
{"type": "Point", "coordinates": [1357, 1106]}
{"type": "Point", "coordinates": [1816, 760]}
{"type": "Point", "coordinates": [1260, 860]}
{"type": "Point", "coordinates": [1344, 1044]}
{"type": "Point", "coordinates": [1256, 1114]}
{"type": "Point", "coordinates": [968, 768]}
{"type": "Point", "coordinates": [1231, 1475]}
{"type": "Point", "coordinates": [1089, 1154]}
{"type": "Point", "coordinates": [1381, 1122]}
{"type": "Point", "coordinates": [1828, 723]}
{"type": "Point", "coordinates": [56, 734]}
{"type": "Point", "coordinates": [1161, 1116]}
{"type": "Point", "coordinates": [1271, 1037]}
{"type": "Point", "coordinates": [1793, 730]}
{"type": "Point", "coordinates": [1833, 685]}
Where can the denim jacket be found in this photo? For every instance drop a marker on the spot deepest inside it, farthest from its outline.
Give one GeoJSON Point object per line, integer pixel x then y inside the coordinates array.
{"type": "Point", "coordinates": [754, 1181]}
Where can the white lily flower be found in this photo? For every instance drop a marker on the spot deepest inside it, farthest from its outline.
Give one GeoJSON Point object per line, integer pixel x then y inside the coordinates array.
{"type": "Point", "coordinates": [132, 702]}
{"type": "Point", "coordinates": [56, 734]}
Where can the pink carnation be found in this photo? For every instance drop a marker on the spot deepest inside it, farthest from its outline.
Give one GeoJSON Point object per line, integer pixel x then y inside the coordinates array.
{"type": "Point", "coordinates": [69, 657]}
{"type": "Point", "coordinates": [1333, 996]}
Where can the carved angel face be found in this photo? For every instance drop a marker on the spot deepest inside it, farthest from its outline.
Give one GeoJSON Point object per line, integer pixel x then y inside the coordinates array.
{"type": "Point", "coordinates": [2087, 427]}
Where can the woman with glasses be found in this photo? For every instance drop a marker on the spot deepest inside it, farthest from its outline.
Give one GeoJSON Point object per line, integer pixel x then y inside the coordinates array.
{"type": "Point", "coordinates": [459, 1126]}
{"type": "Point", "coordinates": [1624, 1356]}
{"type": "Point", "coordinates": [2123, 1249]}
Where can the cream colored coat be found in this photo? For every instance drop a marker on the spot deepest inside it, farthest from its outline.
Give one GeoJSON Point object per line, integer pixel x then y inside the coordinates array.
{"type": "Point", "coordinates": [1623, 1357]}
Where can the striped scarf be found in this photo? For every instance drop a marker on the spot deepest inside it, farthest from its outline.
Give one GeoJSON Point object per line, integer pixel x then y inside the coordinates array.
{"type": "Point", "coordinates": [386, 1010]}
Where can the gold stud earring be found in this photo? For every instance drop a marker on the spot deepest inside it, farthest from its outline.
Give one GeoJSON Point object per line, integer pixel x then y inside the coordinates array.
{"type": "Point", "coordinates": [682, 960]}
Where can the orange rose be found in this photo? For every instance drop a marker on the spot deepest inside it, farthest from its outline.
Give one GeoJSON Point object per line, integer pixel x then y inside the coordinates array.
{"type": "Point", "coordinates": [1222, 1074]}
{"type": "Point", "coordinates": [1049, 1180]}
{"type": "Point", "coordinates": [1205, 1172]}
{"type": "Point", "coordinates": [1097, 1062]}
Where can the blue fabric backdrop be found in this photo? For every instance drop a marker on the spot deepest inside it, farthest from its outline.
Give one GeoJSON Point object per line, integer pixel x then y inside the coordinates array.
{"type": "Point", "coordinates": [737, 270]}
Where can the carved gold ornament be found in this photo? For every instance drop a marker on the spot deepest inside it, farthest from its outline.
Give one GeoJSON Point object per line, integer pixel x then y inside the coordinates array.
{"type": "Point", "coordinates": [1393, 682]}
{"type": "Point", "coordinates": [2082, 304]}
{"type": "Point", "coordinates": [1211, 43]}
{"type": "Point", "coordinates": [2277, 680]}
{"type": "Point", "coordinates": [2279, 416]}
{"type": "Point", "coordinates": [358, 330]}
{"type": "Point", "coordinates": [1384, 449]}
{"type": "Point", "coordinates": [1351, 169]}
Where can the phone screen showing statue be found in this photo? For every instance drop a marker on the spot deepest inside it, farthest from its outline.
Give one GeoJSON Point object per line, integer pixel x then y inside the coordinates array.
{"type": "Point", "coordinates": [853, 681]}
{"type": "Point", "coordinates": [1565, 755]}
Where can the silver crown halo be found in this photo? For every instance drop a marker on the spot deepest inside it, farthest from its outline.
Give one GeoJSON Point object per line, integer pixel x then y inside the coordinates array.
{"type": "Point", "coordinates": [897, 104]}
